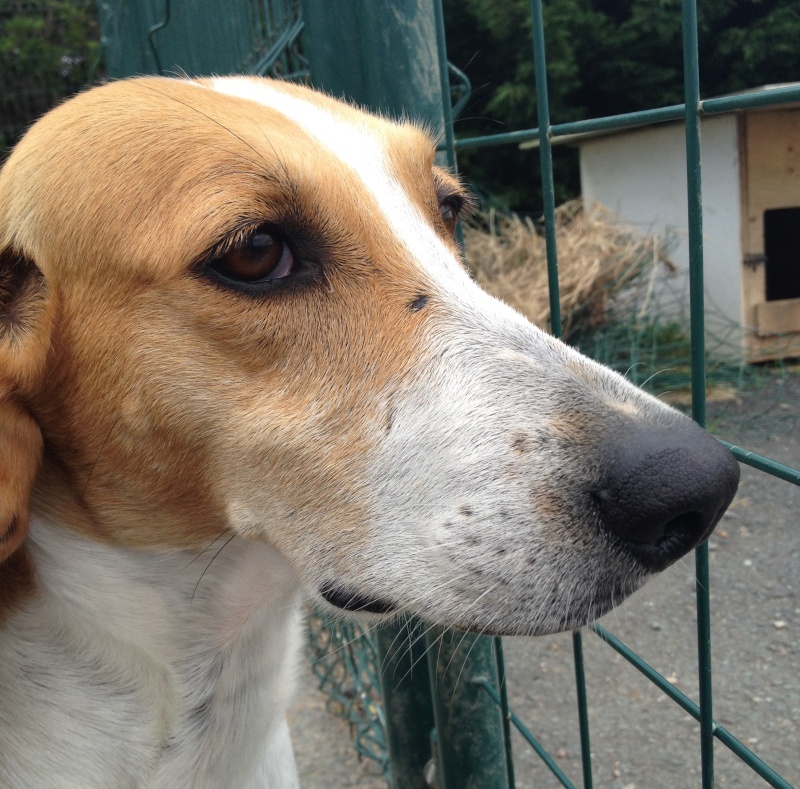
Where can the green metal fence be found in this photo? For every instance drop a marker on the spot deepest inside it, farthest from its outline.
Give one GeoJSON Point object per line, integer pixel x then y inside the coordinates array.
{"type": "Point", "coordinates": [691, 111]}
{"type": "Point", "coordinates": [451, 772]}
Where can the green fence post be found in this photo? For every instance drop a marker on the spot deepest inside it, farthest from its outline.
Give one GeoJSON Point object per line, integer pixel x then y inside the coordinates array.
{"type": "Point", "coordinates": [546, 163]}
{"type": "Point", "coordinates": [549, 209]}
{"type": "Point", "coordinates": [386, 56]}
{"type": "Point", "coordinates": [408, 712]}
{"type": "Point", "coordinates": [379, 54]}
{"type": "Point", "coordinates": [691, 85]}
{"type": "Point", "coordinates": [469, 724]}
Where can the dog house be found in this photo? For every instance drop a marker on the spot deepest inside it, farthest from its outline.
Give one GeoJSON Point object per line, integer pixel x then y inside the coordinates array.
{"type": "Point", "coordinates": [751, 212]}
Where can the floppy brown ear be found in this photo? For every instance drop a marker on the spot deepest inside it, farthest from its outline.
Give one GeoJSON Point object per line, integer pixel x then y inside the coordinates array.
{"type": "Point", "coordinates": [24, 340]}
{"type": "Point", "coordinates": [20, 454]}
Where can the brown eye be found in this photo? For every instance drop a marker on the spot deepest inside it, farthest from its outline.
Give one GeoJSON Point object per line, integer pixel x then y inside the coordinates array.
{"type": "Point", "coordinates": [262, 257]}
{"type": "Point", "coordinates": [449, 209]}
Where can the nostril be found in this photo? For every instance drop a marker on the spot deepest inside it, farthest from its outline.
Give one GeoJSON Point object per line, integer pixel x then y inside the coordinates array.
{"type": "Point", "coordinates": [686, 526]}
{"type": "Point", "coordinates": [687, 523]}
{"type": "Point", "coordinates": [644, 525]}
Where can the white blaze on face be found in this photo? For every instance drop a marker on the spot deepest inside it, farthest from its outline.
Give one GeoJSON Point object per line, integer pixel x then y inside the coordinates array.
{"type": "Point", "coordinates": [360, 150]}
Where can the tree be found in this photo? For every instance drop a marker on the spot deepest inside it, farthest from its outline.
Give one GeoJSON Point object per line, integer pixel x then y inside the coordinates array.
{"type": "Point", "coordinates": [604, 57]}
{"type": "Point", "coordinates": [48, 50]}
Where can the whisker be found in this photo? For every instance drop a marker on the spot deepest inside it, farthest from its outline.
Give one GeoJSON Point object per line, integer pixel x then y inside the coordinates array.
{"type": "Point", "coordinates": [204, 549]}
{"type": "Point", "coordinates": [463, 615]}
{"type": "Point", "coordinates": [209, 565]}
{"type": "Point", "coordinates": [657, 372]}
{"type": "Point", "coordinates": [406, 626]}
{"type": "Point", "coordinates": [420, 657]}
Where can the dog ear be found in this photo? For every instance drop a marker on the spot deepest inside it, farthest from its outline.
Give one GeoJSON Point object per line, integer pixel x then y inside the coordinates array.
{"type": "Point", "coordinates": [20, 454]}
{"type": "Point", "coordinates": [24, 341]}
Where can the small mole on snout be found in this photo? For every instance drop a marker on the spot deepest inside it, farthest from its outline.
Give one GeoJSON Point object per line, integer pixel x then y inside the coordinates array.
{"type": "Point", "coordinates": [466, 511]}
{"type": "Point", "coordinates": [418, 303]}
{"type": "Point", "coordinates": [521, 444]}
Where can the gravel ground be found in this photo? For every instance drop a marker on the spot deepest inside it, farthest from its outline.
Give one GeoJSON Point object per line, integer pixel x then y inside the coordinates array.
{"type": "Point", "coordinates": [640, 739]}
{"type": "Point", "coordinates": [323, 747]}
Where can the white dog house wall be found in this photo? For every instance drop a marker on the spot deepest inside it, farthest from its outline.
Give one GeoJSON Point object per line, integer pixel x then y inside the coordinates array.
{"type": "Point", "coordinates": [751, 211]}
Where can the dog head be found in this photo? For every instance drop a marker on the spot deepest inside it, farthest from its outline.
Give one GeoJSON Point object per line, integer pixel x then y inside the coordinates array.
{"type": "Point", "coordinates": [235, 304]}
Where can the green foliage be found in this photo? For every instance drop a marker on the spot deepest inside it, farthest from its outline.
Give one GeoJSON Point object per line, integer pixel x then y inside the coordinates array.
{"type": "Point", "coordinates": [604, 57]}
{"type": "Point", "coordinates": [48, 50]}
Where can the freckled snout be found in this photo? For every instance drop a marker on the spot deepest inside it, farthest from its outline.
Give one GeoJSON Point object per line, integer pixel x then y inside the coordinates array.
{"type": "Point", "coordinates": [664, 489]}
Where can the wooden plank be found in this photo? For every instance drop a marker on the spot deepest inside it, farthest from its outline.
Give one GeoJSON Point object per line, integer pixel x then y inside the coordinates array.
{"type": "Point", "coordinates": [773, 160]}
{"type": "Point", "coordinates": [770, 171]}
{"type": "Point", "coordinates": [778, 317]}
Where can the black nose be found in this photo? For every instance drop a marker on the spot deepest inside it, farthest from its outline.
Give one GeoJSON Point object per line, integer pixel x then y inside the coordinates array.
{"type": "Point", "coordinates": [664, 489]}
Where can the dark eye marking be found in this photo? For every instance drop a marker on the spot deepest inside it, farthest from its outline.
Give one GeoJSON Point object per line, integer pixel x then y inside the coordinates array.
{"type": "Point", "coordinates": [418, 303]}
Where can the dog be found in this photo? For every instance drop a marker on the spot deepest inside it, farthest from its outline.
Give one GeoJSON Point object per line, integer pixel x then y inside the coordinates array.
{"type": "Point", "coordinates": [242, 363]}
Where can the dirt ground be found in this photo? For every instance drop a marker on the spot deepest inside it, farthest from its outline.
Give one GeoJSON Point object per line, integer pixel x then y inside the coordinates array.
{"type": "Point", "coordinates": [640, 739]}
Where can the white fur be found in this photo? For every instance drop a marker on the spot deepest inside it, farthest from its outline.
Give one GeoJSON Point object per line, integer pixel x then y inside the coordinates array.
{"type": "Point", "coordinates": [138, 640]}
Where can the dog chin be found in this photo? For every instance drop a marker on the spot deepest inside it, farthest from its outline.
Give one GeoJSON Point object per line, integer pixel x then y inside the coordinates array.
{"type": "Point", "coordinates": [372, 610]}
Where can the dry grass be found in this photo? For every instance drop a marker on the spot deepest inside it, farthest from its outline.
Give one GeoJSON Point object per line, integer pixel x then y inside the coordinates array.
{"type": "Point", "coordinates": [598, 259]}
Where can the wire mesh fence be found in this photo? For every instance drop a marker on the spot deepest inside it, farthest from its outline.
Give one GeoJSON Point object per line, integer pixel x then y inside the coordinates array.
{"type": "Point", "coordinates": [345, 662]}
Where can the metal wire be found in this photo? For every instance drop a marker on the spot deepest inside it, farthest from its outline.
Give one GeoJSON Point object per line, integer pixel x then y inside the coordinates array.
{"type": "Point", "coordinates": [344, 660]}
